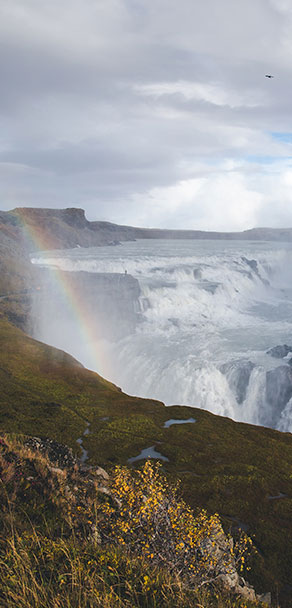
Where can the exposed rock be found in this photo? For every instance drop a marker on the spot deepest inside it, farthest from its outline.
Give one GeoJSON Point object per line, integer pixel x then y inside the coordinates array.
{"type": "Point", "coordinates": [238, 374]}
{"type": "Point", "coordinates": [265, 598]}
{"type": "Point", "coordinates": [278, 388]}
{"type": "Point", "coordinates": [110, 300]}
{"type": "Point", "coordinates": [63, 228]}
{"type": "Point", "coordinates": [8, 218]}
{"type": "Point", "coordinates": [197, 273]}
{"type": "Point", "coordinates": [62, 457]}
{"type": "Point", "coordinates": [208, 286]}
{"type": "Point", "coordinates": [101, 472]}
{"type": "Point", "coordinates": [252, 264]}
{"type": "Point", "coordinates": [222, 552]}
{"type": "Point", "coordinates": [69, 228]}
{"type": "Point", "coordinates": [254, 267]}
{"type": "Point", "coordinates": [59, 455]}
{"type": "Point", "coordinates": [74, 217]}
{"type": "Point", "coordinates": [280, 351]}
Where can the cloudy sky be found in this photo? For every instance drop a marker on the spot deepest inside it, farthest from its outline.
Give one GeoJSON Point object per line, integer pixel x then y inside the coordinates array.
{"type": "Point", "coordinates": [148, 112]}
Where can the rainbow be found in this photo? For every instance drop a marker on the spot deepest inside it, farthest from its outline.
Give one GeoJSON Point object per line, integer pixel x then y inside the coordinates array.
{"type": "Point", "coordinates": [95, 357]}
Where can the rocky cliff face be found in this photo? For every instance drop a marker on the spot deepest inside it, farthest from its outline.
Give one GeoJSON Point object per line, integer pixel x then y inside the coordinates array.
{"type": "Point", "coordinates": [16, 271]}
{"type": "Point", "coordinates": [68, 228]}
{"type": "Point", "coordinates": [109, 303]}
{"type": "Point", "coordinates": [25, 230]}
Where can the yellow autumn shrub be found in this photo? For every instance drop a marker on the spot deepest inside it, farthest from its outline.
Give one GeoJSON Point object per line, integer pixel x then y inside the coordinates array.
{"type": "Point", "coordinates": [154, 522]}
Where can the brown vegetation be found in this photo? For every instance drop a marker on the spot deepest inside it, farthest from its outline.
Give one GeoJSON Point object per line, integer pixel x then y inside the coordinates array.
{"type": "Point", "coordinates": [67, 540]}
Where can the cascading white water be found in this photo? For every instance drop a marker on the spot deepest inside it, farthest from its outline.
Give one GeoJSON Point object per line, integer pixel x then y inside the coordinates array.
{"type": "Point", "coordinates": [209, 312]}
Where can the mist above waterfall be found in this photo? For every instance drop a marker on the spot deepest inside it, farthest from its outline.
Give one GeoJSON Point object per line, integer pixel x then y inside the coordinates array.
{"type": "Point", "coordinates": [194, 330]}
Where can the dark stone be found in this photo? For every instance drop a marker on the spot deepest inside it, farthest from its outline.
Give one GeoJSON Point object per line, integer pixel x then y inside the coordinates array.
{"type": "Point", "coordinates": [238, 374]}
{"type": "Point", "coordinates": [74, 217]}
{"type": "Point", "coordinates": [278, 388]}
{"type": "Point", "coordinates": [197, 273]}
{"type": "Point", "coordinates": [59, 455]}
{"type": "Point", "coordinates": [252, 264]}
{"type": "Point", "coordinates": [280, 351]}
{"type": "Point", "coordinates": [9, 218]}
{"type": "Point", "coordinates": [209, 287]}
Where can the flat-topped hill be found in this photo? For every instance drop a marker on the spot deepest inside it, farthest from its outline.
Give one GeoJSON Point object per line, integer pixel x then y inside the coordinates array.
{"type": "Point", "coordinates": [68, 228]}
{"type": "Point", "coordinates": [25, 230]}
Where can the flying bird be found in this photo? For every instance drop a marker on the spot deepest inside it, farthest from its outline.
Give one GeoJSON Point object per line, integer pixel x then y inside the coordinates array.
{"type": "Point", "coordinates": [269, 76]}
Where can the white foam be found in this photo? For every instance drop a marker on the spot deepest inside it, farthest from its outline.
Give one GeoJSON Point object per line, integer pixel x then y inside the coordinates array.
{"type": "Point", "coordinates": [203, 304]}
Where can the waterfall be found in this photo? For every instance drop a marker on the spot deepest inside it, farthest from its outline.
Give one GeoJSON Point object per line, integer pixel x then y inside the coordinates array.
{"type": "Point", "coordinates": [197, 328]}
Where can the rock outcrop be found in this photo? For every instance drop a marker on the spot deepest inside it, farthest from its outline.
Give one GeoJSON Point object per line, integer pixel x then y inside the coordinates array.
{"type": "Point", "coordinates": [110, 301]}
{"type": "Point", "coordinates": [68, 228]}
{"type": "Point", "coordinates": [58, 455]}
{"type": "Point", "coordinates": [227, 575]}
{"type": "Point", "coordinates": [238, 374]}
{"type": "Point", "coordinates": [280, 351]}
{"type": "Point", "coordinates": [278, 389]}
{"type": "Point", "coordinates": [82, 480]}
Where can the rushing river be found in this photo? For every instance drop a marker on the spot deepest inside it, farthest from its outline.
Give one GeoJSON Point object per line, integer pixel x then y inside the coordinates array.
{"type": "Point", "coordinates": [209, 311]}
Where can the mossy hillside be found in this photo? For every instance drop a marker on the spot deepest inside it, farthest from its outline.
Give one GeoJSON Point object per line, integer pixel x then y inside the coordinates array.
{"type": "Point", "coordinates": [228, 467]}
{"type": "Point", "coordinates": [51, 557]}
{"type": "Point", "coordinates": [45, 391]}
{"type": "Point", "coordinates": [241, 471]}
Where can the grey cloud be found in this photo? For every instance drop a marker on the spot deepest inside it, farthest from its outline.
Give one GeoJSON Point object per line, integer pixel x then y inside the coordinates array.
{"type": "Point", "coordinates": [77, 128]}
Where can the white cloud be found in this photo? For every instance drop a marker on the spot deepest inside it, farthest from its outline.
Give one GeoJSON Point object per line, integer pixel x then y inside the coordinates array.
{"type": "Point", "coordinates": [130, 108]}
{"type": "Point", "coordinates": [213, 93]}
{"type": "Point", "coordinates": [190, 204]}
{"type": "Point", "coordinates": [231, 197]}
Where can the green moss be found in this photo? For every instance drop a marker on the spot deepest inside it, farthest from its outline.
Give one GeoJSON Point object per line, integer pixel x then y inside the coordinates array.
{"type": "Point", "coordinates": [50, 554]}
{"type": "Point", "coordinates": [224, 466]}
